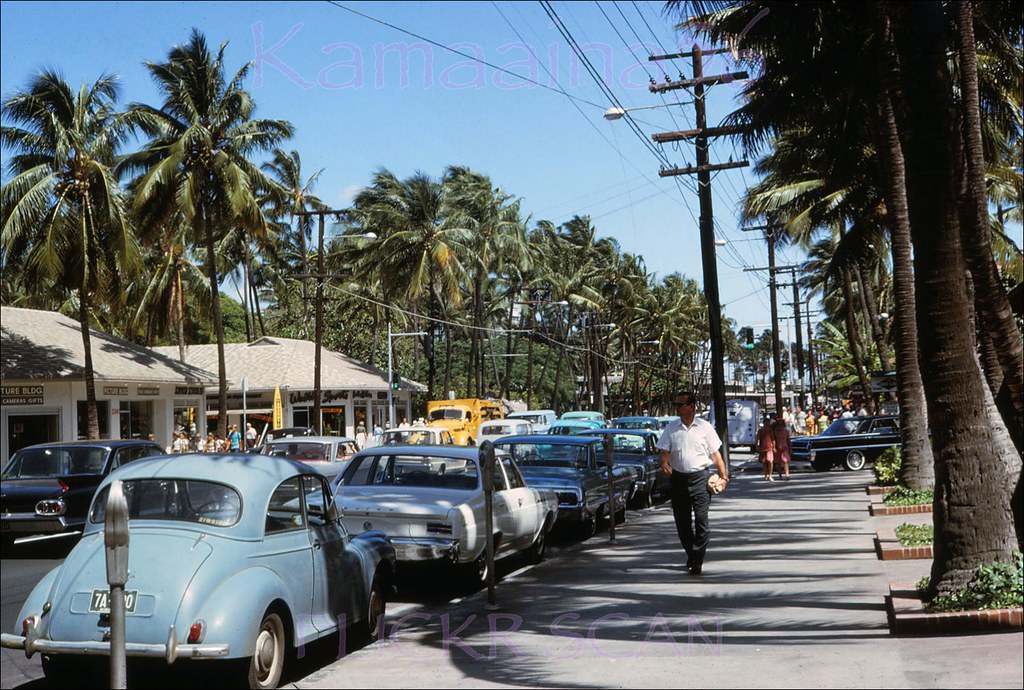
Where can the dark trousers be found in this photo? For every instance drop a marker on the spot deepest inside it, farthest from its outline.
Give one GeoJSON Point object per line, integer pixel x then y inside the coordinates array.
{"type": "Point", "coordinates": [690, 502]}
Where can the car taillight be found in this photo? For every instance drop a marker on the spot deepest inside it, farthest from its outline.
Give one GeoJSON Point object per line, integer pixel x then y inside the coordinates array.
{"type": "Point", "coordinates": [28, 624]}
{"type": "Point", "coordinates": [50, 507]}
{"type": "Point", "coordinates": [195, 633]}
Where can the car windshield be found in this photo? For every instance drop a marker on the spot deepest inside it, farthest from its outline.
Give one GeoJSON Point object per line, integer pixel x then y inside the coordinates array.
{"type": "Point", "coordinates": [547, 454]}
{"type": "Point", "coordinates": [628, 443]}
{"type": "Point", "coordinates": [498, 430]}
{"type": "Point", "coordinates": [407, 437]}
{"type": "Point", "coordinates": [181, 500]}
{"type": "Point", "coordinates": [533, 418]}
{"type": "Point", "coordinates": [303, 451]}
{"type": "Point", "coordinates": [55, 462]}
{"type": "Point", "coordinates": [844, 425]}
{"type": "Point", "coordinates": [438, 472]}
{"type": "Point", "coordinates": [635, 423]}
{"type": "Point", "coordinates": [445, 413]}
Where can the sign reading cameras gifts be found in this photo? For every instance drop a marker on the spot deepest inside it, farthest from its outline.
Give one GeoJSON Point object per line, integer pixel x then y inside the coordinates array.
{"type": "Point", "coordinates": [21, 395]}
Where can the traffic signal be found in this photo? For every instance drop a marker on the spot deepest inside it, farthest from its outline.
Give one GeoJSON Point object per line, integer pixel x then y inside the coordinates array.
{"type": "Point", "coordinates": [747, 334]}
{"type": "Point", "coordinates": [396, 379]}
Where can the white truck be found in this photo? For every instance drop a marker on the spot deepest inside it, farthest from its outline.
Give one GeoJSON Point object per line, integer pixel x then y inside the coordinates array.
{"type": "Point", "coordinates": [744, 420]}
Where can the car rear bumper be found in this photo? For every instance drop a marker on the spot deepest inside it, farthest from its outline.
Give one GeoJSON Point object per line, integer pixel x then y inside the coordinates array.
{"type": "Point", "coordinates": [425, 549]}
{"type": "Point", "coordinates": [30, 523]}
{"type": "Point", "coordinates": [170, 650]}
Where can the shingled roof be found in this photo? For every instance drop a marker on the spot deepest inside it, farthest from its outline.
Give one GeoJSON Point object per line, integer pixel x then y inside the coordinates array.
{"type": "Point", "coordinates": [270, 361]}
{"type": "Point", "coordinates": [45, 345]}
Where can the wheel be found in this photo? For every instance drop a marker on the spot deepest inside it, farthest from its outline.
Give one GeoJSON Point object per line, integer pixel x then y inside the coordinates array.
{"type": "Point", "coordinates": [376, 606]}
{"type": "Point", "coordinates": [267, 660]}
{"type": "Point", "coordinates": [539, 546]}
{"type": "Point", "coordinates": [588, 527]}
{"type": "Point", "coordinates": [855, 460]}
{"type": "Point", "coordinates": [645, 500]}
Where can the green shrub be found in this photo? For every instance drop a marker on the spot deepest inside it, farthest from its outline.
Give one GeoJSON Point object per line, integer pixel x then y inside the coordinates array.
{"type": "Point", "coordinates": [902, 496]}
{"type": "Point", "coordinates": [915, 535]}
{"type": "Point", "coordinates": [887, 466]}
{"type": "Point", "coordinates": [998, 585]}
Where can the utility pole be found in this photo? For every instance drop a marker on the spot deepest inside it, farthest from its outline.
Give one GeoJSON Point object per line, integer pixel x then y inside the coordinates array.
{"type": "Point", "coordinates": [770, 234]}
{"type": "Point", "coordinates": [703, 170]}
{"type": "Point", "coordinates": [799, 334]}
{"type": "Point", "coordinates": [318, 330]}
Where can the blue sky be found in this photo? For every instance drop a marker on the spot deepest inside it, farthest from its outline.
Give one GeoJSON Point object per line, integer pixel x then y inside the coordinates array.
{"type": "Point", "coordinates": [364, 96]}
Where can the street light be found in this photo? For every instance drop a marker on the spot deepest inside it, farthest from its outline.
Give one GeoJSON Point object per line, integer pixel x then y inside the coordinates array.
{"type": "Point", "coordinates": [616, 113]}
{"type": "Point", "coordinates": [319, 322]}
{"type": "Point", "coordinates": [391, 374]}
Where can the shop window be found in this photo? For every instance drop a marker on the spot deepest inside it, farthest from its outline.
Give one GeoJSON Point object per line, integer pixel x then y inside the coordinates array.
{"type": "Point", "coordinates": [102, 413]}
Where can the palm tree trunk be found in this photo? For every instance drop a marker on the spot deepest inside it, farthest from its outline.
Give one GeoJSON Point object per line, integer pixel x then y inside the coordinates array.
{"type": "Point", "coordinates": [91, 413]}
{"type": "Point", "coordinates": [871, 316]}
{"type": "Point", "coordinates": [179, 299]}
{"type": "Point", "coordinates": [976, 465]}
{"type": "Point", "coordinates": [853, 332]}
{"type": "Point", "coordinates": [991, 301]}
{"type": "Point", "coordinates": [917, 470]}
{"type": "Point", "coordinates": [206, 232]}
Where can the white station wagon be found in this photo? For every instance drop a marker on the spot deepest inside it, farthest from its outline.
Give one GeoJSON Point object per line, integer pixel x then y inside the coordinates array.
{"type": "Point", "coordinates": [429, 501]}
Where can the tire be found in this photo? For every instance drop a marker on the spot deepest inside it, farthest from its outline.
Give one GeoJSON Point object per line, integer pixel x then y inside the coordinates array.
{"type": "Point", "coordinates": [588, 527]}
{"type": "Point", "coordinates": [855, 461]}
{"type": "Point", "coordinates": [60, 671]}
{"type": "Point", "coordinates": [646, 499]}
{"type": "Point", "coordinates": [267, 661]}
{"type": "Point", "coordinates": [539, 546]}
{"type": "Point", "coordinates": [368, 631]}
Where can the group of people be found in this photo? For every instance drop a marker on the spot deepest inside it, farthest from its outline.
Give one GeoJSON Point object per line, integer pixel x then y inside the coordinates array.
{"type": "Point", "coordinates": [814, 420]}
{"type": "Point", "coordinates": [234, 442]}
{"type": "Point", "coordinates": [773, 447]}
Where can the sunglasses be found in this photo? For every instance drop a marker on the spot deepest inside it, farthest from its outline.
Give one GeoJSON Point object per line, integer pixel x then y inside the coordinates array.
{"type": "Point", "coordinates": [683, 404]}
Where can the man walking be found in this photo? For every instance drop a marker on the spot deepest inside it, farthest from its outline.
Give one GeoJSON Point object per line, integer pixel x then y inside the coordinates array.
{"type": "Point", "coordinates": [688, 448]}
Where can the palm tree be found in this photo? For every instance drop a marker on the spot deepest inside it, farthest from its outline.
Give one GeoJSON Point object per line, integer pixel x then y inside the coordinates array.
{"type": "Point", "coordinates": [292, 195]}
{"type": "Point", "coordinates": [63, 210]}
{"type": "Point", "coordinates": [197, 161]}
{"type": "Point", "coordinates": [418, 256]}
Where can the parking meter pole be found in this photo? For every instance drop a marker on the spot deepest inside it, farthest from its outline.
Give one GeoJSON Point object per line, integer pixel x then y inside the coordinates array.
{"type": "Point", "coordinates": [609, 453]}
{"type": "Point", "coordinates": [115, 540]}
{"type": "Point", "coordinates": [487, 470]}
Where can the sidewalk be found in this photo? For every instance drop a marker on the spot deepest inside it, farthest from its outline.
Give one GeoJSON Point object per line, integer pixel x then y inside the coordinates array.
{"type": "Point", "coordinates": [791, 596]}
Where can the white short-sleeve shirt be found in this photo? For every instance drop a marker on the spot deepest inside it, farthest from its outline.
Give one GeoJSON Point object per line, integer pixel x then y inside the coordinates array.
{"type": "Point", "coordinates": [690, 447]}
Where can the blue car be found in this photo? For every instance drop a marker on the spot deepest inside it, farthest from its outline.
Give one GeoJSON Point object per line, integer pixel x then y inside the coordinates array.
{"type": "Point", "coordinates": [636, 448]}
{"type": "Point", "coordinates": [638, 422]}
{"type": "Point", "coordinates": [230, 557]}
{"type": "Point", "coordinates": [574, 468]}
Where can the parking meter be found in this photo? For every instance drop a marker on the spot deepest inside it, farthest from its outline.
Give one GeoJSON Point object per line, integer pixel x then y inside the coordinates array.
{"type": "Point", "coordinates": [487, 470]}
{"type": "Point", "coordinates": [115, 540]}
{"type": "Point", "coordinates": [609, 459]}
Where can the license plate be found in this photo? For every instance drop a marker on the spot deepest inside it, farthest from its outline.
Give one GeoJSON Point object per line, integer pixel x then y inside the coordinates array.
{"type": "Point", "coordinates": [100, 601]}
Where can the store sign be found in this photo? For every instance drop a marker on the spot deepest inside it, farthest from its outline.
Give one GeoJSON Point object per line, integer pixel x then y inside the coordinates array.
{"type": "Point", "coordinates": [22, 395]}
{"type": "Point", "coordinates": [115, 390]}
{"type": "Point", "coordinates": [149, 390]}
{"type": "Point", "coordinates": [189, 390]}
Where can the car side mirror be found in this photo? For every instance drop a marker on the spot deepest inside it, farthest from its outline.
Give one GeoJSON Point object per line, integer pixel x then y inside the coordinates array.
{"type": "Point", "coordinates": [333, 512]}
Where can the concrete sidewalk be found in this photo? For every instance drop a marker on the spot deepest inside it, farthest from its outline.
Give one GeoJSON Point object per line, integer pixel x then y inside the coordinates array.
{"type": "Point", "coordinates": [791, 596]}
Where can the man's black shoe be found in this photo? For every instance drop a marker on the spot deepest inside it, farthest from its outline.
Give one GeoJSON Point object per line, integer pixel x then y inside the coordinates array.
{"type": "Point", "coordinates": [694, 568]}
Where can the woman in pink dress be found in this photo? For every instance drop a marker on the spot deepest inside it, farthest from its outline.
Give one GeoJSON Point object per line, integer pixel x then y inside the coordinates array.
{"type": "Point", "coordinates": [766, 448]}
{"type": "Point", "coordinates": [780, 435]}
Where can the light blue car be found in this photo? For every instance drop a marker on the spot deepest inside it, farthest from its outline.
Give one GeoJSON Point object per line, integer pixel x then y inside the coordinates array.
{"type": "Point", "coordinates": [229, 557]}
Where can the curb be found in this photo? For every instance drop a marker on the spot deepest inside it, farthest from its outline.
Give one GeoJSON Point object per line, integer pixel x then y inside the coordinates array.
{"type": "Point", "coordinates": [888, 548]}
{"type": "Point", "coordinates": [907, 616]}
{"type": "Point", "coordinates": [878, 490]}
{"type": "Point", "coordinates": [880, 509]}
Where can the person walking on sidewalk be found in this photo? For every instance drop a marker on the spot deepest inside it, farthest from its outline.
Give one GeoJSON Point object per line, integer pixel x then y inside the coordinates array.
{"type": "Point", "coordinates": [780, 435]}
{"type": "Point", "coordinates": [689, 447]}
{"type": "Point", "coordinates": [766, 448]}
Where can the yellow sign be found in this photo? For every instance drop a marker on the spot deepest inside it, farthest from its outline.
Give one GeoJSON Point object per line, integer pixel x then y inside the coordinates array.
{"type": "Point", "coordinates": [278, 410]}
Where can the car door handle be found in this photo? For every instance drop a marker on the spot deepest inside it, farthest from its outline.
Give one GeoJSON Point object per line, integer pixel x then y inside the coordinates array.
{"type": "Point", "coordinates": [520, 502]}
{"type": "Point", "coordinates": [316, 545]}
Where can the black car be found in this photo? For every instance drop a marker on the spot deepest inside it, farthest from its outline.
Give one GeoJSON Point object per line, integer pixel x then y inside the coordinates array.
{"type": "Point", "coordinates": [636, 448]}
{"type": "Point", "coordinates": [47, 488]}
{"type": "Point", "coordinates": [574, 468]}
{"type": "Point", "coordinates": [849, 441]}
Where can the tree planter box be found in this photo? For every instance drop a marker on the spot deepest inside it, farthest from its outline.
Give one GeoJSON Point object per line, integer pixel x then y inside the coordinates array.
{"type": "Point", "coordinates": [880, 508]}
{"type": "Point", "coordinates": [907, 616]}
{"type": "Point", "coordinates": [878, 490]}
{"type": "Point", "coordinates": [888, 547]}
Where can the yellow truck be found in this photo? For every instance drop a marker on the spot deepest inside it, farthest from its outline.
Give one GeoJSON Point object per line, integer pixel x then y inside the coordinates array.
{"type": "Point", "coordinates": [463, 416]}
